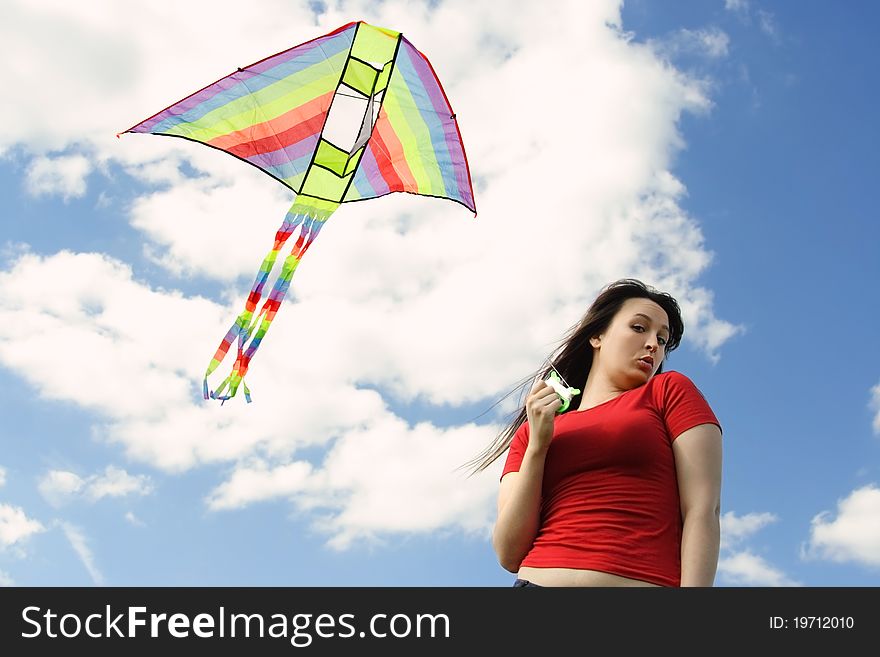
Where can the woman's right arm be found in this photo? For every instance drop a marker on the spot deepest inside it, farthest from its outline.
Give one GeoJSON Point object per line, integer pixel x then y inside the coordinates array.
{"type": "Point", "coordinates": [519, 511]}
{"type": "Point", "coordinates": [519, 497]}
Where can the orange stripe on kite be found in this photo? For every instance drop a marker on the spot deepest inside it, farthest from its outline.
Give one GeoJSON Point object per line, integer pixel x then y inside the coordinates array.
{"type": "Point", "coordinates": [395, 170]}
{"type": "Point", "coordinates": [294, 125]}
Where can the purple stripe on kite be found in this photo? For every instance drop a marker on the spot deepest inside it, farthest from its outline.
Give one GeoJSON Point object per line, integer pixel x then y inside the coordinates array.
{"type": "Point", "coordinates": [452, 138]}
{"type": "Point", "coordinates": [287, 170]}
{"type": "Point", "coordinates": [279, 290]}
{"type": "Point", "coordinates": [362, 189]}
{"type": "Point", "coordinates": [433, 111]}
{"type": "Point", "coordinates": [367, 179]}
{"type": "Point", "coordinates": [252, 347]}
{"type": "Point", "coordinates": [444, 135]}
{"type": "Point", "coordinates": [290, 62]}
{"type": "Point", "coordinates": [426, 79]}
{"type": "Point", "coordinates": [187, 110]}
{"type": "Point", "coordinates": [303, 148]}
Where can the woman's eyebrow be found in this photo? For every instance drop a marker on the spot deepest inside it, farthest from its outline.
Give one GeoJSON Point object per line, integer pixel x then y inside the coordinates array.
{"type": "Point", "coordinates": [651, 321]}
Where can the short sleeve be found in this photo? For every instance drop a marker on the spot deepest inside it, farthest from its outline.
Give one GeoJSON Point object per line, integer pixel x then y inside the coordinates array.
{"type": "Point", "coordinates": [517, 449]}
{"type": "Point", "coordinates": [684, 406]}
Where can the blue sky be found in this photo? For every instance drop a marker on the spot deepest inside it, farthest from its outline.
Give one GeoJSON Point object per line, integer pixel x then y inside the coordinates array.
{"type": "Point", "coordinates": [721, 150]}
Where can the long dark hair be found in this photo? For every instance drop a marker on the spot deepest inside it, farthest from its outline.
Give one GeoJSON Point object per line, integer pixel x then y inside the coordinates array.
{"type": "Point", "coordinates": [573, 358]}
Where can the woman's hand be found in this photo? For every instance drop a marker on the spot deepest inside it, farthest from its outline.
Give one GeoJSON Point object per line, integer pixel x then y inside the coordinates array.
{"type": "Point", "coordinates": [541, 406]}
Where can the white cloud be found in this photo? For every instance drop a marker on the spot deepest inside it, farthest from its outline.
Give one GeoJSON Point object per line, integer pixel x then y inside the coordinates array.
{"type": "Point", "coordinates": [5, 579]}
{"type": "Point", "coordinates": [401, 299]}
{"type": "Point", "coordinates": [15, 526]}
{"type": "Point", "coordinates": [132, 519]}
{"type": "Point", "coordinates": [766, 20]}
{"type": "Point", "coordinates": [767, 23]}
{"type": "Point", "coordinates": [711, 42]}
{"type": "Point", "coordinates": [59, 486]}
{"type": "Point", "coordinates": [116, 482]}
{"type": "Point", "coordinates": [738, 566]}
{"type": "Point", "coordinates": [737, 529]}
{"type": "Point", "coordinates": [95, 319]}
{"type": "Point", "coordinates": [853, 536]}
{"type": "Point", "coordinates": [748, 569]}
{"type": "Point", "coordinates": [80, 545]}
{"type": "Point", "coordinates": [192, 225]}
{"type": "Point", "coordinates": [875, 406]}
{"type": "Point", "coordinates": [256, 482]}
{"type": "Point", "coordinates": [63, 176]}
{"type": "Point", "coordinates": [714, 42]}
{"type": "Point", "coordinates": [2, 476]}
{"type": "Point", "coordinates": [99, 71]}
{"type": "Point", "coordinates": [413, 487]}
{"type": "Point", "coordinates": [385, 479]}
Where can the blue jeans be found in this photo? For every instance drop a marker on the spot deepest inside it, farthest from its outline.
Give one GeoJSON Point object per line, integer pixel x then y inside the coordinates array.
{"type": "Point", "coordinates": [522, 583]}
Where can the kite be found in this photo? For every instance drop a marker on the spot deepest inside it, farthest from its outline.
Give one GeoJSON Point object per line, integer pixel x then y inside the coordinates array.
{"type": "Point", "coordinates": [352, 115]}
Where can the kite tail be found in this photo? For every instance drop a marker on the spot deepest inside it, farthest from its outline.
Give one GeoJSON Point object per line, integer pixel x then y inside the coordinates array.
{"type": "Point", "coordinates": [243, 328]}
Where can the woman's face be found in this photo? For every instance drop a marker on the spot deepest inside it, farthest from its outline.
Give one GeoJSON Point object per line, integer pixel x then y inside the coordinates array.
{"type": "Point", "coordinates": [633, 346]}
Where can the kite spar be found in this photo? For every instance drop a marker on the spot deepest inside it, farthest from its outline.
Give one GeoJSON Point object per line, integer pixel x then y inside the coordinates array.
{"type": "Point", "coordinates": [353, 115]}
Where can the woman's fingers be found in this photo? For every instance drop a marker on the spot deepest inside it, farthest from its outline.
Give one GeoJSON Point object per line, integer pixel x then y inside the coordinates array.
{"type": "Point", "coordinates": [544, 397]}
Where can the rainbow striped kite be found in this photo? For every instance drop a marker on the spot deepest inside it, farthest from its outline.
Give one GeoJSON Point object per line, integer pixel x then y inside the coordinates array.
{"type": "Point", "coordinates": [349, 116]}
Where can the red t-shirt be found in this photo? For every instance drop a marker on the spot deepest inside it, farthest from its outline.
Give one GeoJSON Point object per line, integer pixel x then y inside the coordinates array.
{"type": "Point", "coordinates": [610, 494]}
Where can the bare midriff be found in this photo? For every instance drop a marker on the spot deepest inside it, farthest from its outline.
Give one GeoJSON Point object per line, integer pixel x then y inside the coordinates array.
{"type": "Point", "coordinates": [575, 577]}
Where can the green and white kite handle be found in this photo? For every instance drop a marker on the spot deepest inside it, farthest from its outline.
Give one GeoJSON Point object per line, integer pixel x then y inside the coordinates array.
{"type": "Point", "coordinates": [564, 391]}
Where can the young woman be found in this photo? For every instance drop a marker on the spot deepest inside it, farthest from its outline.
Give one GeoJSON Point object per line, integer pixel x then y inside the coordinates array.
{"type": "Point", "coordinates": [623, 489]}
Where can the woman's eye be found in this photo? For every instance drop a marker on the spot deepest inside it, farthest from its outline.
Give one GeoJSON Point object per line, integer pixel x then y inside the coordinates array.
{"type": "Point", "coordinates": [638, 327]}
{"type": "Point", "coordinates": [661, 340]}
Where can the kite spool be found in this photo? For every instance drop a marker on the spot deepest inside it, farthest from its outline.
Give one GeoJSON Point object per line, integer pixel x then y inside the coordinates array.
{"type": "Point", "coordinates": [565, 392]}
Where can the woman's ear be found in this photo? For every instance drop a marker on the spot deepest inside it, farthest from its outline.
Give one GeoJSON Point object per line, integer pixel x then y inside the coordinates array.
{"type": "Point", "coordinates": [595, 341]}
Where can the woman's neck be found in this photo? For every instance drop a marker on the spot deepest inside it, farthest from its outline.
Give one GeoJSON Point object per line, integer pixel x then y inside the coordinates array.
{"type": "Point", "coordinates": [597, 390]}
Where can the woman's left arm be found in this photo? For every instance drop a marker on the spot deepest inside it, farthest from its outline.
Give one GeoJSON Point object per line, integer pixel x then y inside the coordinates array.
{"type": "Point", "coordinates": [698, 466]}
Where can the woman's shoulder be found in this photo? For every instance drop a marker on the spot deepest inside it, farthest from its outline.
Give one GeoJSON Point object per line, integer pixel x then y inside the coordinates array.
{"type": "Point", "coordinates": [672, 377]}
{"type": "Point", "coordinates": [672, 382]}
{"type": "Point", "coordinates": [682, 403]}
{"type": "Point", "coordinates": [674, 388]}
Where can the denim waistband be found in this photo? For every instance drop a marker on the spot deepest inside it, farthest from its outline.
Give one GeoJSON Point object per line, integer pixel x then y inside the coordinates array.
{"type": "Point", "coordinates": [521, 583]}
